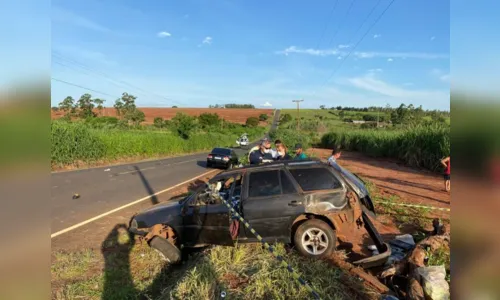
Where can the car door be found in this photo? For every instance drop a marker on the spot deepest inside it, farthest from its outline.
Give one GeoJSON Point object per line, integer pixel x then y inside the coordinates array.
{"type": "Point", "coordinates": [206, 223]}
{"type": "Point", "coordinates": [271, 201]}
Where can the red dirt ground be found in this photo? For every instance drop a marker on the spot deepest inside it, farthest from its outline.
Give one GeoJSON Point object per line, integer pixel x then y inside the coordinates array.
{"type": "Point", "coordinates": [234, 115]}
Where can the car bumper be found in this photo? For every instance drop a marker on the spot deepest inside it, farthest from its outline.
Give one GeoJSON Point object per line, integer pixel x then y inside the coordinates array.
{"type": "Point", "coordinates": [217, 163]}
{"type": "Point", "coordinates": [133, 229]}
{"type": "Point", "coordinates": [383, 248]}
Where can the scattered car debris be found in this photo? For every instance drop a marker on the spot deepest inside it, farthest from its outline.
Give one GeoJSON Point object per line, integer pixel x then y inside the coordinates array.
{"type": "Point", "coordinates": [107, 170]}
{"type": "Point", "coordinates": [76, 196]}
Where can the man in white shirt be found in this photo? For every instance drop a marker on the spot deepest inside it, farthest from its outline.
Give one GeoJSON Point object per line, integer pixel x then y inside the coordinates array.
{"type": "Point", "coordinates": [332, 160]}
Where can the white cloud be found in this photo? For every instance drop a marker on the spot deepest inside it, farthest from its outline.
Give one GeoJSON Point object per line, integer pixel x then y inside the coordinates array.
{"type": "Point", "coordinates": [207, 40]}
{"type": "Point", "coordinates": [339, 57]}
{"type": "Point", "coordinates": [404, 55]}
{"type": "Point", "coordinates": [163, 34]}
{"type": "Point", "coordinates": [310, 51]}
{"type": "Point", "coordinates": [365, 54]}
{"type": "Point", "coordinates": [267, 104]}
{"type": "Point", "coordinates": [390, 59]}
{"type": "Point", "coordinates": [344, 46]}
{"type": "Point", "coordinates": [376, 36]}
{"type": "Point", "coordinates": [65, 16]}
{"type": "Point", "coordinates": [369, 82]}
{"type": "Point", "coordinates": [440, 74]}
{"type": "Point", "coordinates": [371, 71]}
{"type": "Point", "coordinates": [81, 54]}
{"type": "Point", "coordinates": [433, 38]}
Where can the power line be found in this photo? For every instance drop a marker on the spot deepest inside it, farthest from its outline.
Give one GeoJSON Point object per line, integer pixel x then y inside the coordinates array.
{"type": "Point", "coordinates": [340, 23]}
{"type": "Point", "coordinates": [359, 42]}
{"type": "Point", "coordinates": [82, 87]}
{"type": "Point", "coordinates": [326, 24]}
{"type": "Point", "coordinates": [364, 21]}
{"type": "Point", "coordinates": [111, 79]}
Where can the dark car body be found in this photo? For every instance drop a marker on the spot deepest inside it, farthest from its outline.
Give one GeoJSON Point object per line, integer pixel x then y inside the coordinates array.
{"type": "Point", "coordinates": [273, 198]}
{"type": "Point", "coordinates": [222, 158]}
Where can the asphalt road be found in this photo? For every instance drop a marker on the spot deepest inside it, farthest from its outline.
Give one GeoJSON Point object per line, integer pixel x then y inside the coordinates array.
{"type": "Point", "coordinates": [106, 188]}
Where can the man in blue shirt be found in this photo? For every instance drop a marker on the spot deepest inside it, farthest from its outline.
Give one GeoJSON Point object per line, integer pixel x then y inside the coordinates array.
{"type": "Point", "coordinates": [263, 154]}
{"type": "Point", "coordinates": [299, 152]}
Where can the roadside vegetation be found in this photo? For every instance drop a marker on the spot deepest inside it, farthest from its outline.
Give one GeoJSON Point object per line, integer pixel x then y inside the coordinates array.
{"type": "Point", "coordinates": [127, 270]}
{"type": "Point", "coordinates": [417, 137]}
{"type": "Point", "coordinates": [84, 137]}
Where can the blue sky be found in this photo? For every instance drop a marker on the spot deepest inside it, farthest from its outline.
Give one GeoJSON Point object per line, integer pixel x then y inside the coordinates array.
{"type": "Point", "coordinates": [193, 53]}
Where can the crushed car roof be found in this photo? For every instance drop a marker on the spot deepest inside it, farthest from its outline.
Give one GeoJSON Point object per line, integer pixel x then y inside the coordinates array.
{"type": "Point", "coordinates": [309, 161]}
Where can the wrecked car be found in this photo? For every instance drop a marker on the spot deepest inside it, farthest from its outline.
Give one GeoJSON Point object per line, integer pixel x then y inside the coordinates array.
{"type": "Point", "coordinates": [306, 203]}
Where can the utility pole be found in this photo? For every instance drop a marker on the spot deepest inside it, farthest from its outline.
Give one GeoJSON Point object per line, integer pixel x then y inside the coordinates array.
{"type": "Point", "coordinates": [298, 112]}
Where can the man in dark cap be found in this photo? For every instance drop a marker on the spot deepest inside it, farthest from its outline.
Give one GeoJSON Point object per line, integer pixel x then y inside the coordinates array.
{"type": "Point", "coordinates": [299, 152]}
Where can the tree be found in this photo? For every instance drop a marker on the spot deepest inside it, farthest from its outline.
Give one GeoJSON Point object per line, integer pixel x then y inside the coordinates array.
{"type": "Point", "coordinates": [99, 105]}
{"type": "Point", "coordinates": [184, 125]}
{"type": "Point", "coordinates": [209, 120]}
{"type": "Point", "coordinates": [174, 106]}
{"type": "Point", "coordinates": [54, 108]}
{"type": "Point", "coordinates": [339, 107]}
{"type": "Point", "coordinates": [158, 122]}
{"type": "Point", "coordinates": [68, 107]}
{"type": "Point", "coordinates": [119, 107]}
{"type": "Point", "coordinates": [263, 117]}
{"type": "Point", "coordinates": [252, 122]}
{"type": "Point", "coordinates": [85, 106]}
{"type": "Point", "coordinates": [135, 116]}
{"type": "Point", "coordinates": [322, 107]}
{"type": "Point", "coordinates": [285, 118]}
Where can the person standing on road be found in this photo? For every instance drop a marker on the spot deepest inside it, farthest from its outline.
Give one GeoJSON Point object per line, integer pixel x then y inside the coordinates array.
{"type": "Point", "coordinates": [446, 162]}
{"type": "Point", "coordinates": [262, 155]}
{"type": "Point", "coordinates": [299, 152]}
{"type": "Point", "coordinates": [332, 160]}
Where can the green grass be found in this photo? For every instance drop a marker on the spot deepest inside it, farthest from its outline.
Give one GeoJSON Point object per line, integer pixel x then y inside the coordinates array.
{"type": "Point", "coordinates": [440, 257]}
{"type": "Point", "coordinates": [126, 271]}
{"type": "Point", "coordinates": [75, 143]}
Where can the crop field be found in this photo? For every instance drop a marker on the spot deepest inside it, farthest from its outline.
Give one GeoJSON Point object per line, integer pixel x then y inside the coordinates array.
{"type": "Point", "coordinates": [233, 115]}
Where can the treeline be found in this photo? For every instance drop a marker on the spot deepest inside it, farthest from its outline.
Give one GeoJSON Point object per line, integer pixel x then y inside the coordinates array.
{"type": "Point", "coordinates": [232, 105]}
{"type": "Point", "coordinates": [126, 109]}
{"type": "Point", "coordinates": [388, 109]}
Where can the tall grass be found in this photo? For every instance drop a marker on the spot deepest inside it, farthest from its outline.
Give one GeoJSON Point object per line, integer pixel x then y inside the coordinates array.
{"type": "Point", "coordinates": [80, 143]}
{"type": "Point", "coordinates": [419, 146]}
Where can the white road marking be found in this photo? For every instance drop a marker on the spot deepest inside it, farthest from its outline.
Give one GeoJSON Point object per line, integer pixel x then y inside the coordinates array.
{"type": "Point", "coordinates": [178, 163]}
{"type": "Point", "coordinates": [126, 205]}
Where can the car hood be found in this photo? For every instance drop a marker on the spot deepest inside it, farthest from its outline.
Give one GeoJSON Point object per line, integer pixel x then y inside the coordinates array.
{"type": "Point", "coordinates": [357, 184]}
{"type": "Point", "coordinates": [158, 214]}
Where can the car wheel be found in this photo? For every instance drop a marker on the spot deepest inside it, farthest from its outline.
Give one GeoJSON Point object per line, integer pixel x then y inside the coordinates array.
{"type": "Point", "coordinates": [315, 238]}
{"type": "Point", "coordinates": [166, 249]}
{"type": "Point", "coordinates": [209, 165]}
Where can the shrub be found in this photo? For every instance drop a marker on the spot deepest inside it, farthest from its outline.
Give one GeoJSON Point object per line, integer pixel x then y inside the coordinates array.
{"type": "Point", "coordinates": [102, 122]}
{"type": "Point", "coordinates": [158, 122]}
{"type": "Point", "coordinates": [252, 122]}
{"type": "Point", "coordinates": [209, 120]}
{"type": "Point", "coordinates": [184, 125]}
{"type": "Point", "coordinates": [285, 118]}
{"type": "Point", "coordinates": [263, 117]}
{"type": "Point", "coordinates": [73, 142]}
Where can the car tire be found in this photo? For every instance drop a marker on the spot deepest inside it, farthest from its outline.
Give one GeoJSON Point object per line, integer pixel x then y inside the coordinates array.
{"type": "Point", "coordinates": [166, 249]}
{"type": "Point", "coordinates": [315, 238]}
{"type": "Point", "coordinates": [209, 165]}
